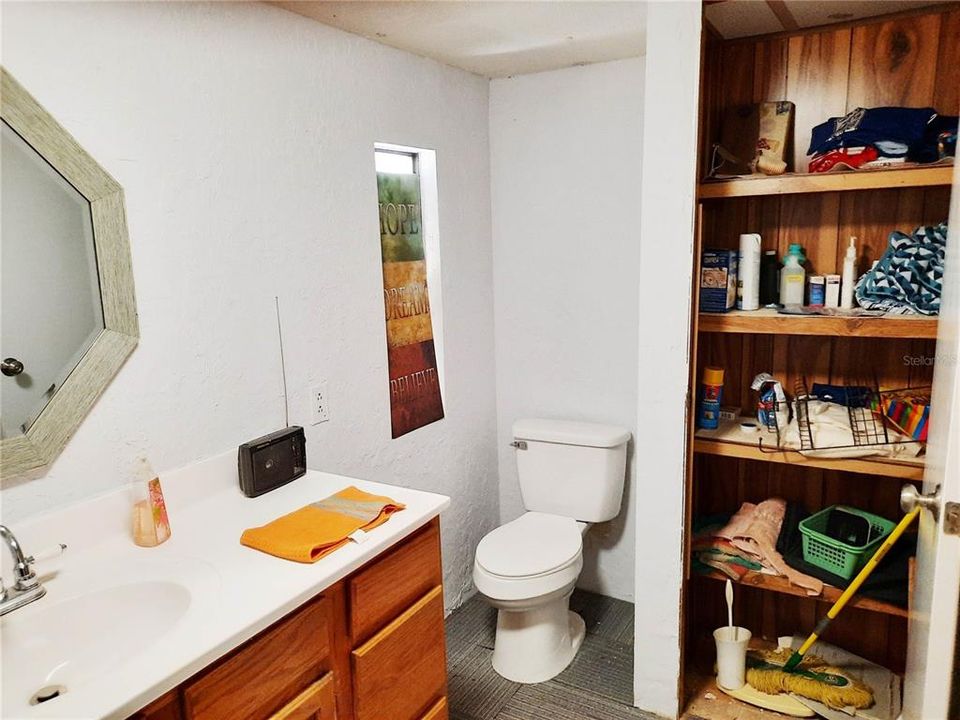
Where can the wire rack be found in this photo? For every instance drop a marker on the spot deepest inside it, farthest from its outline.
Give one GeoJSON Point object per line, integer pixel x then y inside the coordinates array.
{"type": "Point", "coordinates": [868, 426]}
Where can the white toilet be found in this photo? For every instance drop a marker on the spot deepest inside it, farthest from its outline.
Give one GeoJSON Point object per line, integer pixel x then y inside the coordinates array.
{"type": "Point", "coordinates": [571, 475]}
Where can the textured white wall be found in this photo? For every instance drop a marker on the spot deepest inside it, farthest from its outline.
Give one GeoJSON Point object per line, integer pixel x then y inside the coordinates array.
{"type": "Point", "coordinates": [243, 137]}
{"type": "Point", "coordinates": [666, 252]}
{"type": "Point", "coordinates": [565, 153]}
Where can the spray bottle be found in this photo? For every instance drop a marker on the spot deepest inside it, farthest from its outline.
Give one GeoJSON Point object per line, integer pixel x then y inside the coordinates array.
{"type": "Point", "coordinates": [708, 412]}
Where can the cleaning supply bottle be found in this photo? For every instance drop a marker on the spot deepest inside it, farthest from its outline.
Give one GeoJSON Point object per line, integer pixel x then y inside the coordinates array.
{"type": "Point", "coordinates": [711, 396]}
{"type": "Point", "coordinates": [849, 278]}
{"type": "Point", "coordinates": [769, 278]}
{"type": "Point", "coordinates": [150, 523]}
{"type": "Point", "coordinates": [792, 276]}
{"type": "Point", "coordinates": [818, 291]}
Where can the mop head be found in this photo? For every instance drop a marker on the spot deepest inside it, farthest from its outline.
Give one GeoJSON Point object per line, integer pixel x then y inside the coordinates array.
{"type": "Point", "coordinates": [855, 694]}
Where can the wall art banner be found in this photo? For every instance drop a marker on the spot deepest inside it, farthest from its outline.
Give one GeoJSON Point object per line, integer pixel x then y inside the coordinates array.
{"type": "Point", "coordinates": [414, 384]}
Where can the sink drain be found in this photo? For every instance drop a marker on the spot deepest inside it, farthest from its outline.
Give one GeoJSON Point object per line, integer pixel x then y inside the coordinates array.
{"type": "Point", "coordinates": [47, 693]}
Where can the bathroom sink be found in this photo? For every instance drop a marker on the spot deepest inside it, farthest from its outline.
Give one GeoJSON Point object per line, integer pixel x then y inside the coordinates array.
{"type": "Point", "coordinates": [50, 647]}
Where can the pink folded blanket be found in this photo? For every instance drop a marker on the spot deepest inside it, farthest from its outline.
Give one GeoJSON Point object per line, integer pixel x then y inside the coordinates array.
{"type": "Point", "coordinates": [754, 529]}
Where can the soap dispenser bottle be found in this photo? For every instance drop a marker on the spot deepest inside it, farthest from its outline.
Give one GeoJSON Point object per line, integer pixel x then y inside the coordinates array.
{"type": "Point", "coordinates": [150, 523]}
{"type": "Point", "coordinates": [849, 277]}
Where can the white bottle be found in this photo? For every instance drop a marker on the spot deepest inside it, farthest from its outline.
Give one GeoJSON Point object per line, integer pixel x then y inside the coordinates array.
{"type": "Point", "coordinates": [849, 278]}
{"type": "Point", "coordinates": [833, 291]}
{"type": "Point", "coordinates": [748, 277]}
{"type": "Point", "coordinates": [792, 281]}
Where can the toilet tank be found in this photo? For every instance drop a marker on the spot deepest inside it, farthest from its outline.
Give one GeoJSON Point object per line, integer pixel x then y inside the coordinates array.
{"type": "Point", "coordinates": [574, 469]}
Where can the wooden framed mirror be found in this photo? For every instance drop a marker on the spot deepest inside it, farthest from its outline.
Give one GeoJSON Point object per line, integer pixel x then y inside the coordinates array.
{"type": "Point", "coordinates": [69, 316]}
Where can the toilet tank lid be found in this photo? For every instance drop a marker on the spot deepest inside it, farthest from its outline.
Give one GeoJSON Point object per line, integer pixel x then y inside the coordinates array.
{"type": "Point", "coordinates": [570, 432]}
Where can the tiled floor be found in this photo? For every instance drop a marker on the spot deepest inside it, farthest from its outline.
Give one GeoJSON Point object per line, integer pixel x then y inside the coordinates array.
{"type": "Point", "coordinates": [598, 685]}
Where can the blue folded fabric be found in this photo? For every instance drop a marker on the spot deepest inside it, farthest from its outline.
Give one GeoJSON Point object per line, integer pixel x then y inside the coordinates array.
{"type": "Point", "coordinates": [941, 127]}
{"type": "Point", "coordinates": [856, 396]}
{"type": "Point", "coordinates": [866, 127]}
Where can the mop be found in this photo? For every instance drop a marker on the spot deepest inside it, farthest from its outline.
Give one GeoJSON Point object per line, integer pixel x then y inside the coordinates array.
{"type": "Point", "coordinates": [809, 676]}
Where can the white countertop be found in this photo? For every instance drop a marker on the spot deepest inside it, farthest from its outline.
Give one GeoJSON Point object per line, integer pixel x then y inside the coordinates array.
{"type": "Point", "coordinates": [234, 591]}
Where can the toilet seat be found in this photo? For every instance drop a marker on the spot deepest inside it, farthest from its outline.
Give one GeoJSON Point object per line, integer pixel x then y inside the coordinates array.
{"type": "Point", "coordinates": [529, 559]}
{"type": "Point", "coordinates": [533, 545]}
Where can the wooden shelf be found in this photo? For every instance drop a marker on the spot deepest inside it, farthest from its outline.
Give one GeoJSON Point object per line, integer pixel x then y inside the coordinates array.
{"type": "Point", "coordinates": [830, 594]}
{"type": "Point", "coordinates": [881, 467]}
{"type": "Point", "coordinates": [823, 71]}
{"type": "Point", "coordinates": [705, 700]}
{"type": "Point", "coordinates": [769, 322]}
{"type": "Point", "coordinates": [795, 183]}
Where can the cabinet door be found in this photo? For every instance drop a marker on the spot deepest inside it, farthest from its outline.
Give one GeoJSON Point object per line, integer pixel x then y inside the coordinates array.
{"type": "Point", "coordinates": [317, 702]}
{"type": "Point", "coordinates": [401, 671]}
{"type": "Point", "coordinates": [440, 711]}
{"type": "Point", "coordinates": [267, 672]}
{"type": "Point", "coordinates": [166, 707]}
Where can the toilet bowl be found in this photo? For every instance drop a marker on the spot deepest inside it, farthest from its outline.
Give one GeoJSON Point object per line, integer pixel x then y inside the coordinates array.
{"type": "Point", "coordinates": [571, 474]}
{"type": "Point", "coordinates": [527, 569]}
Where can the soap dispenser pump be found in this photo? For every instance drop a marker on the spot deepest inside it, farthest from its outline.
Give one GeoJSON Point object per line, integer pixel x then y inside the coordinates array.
{"type": "Point", "coordinates": [151, 525]}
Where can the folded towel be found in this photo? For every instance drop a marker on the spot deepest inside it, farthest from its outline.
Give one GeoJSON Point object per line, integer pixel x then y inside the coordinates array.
{"type": "Point", "coordinates": [909, 275]}
{"type": "Point", "coordinates": [316, 530]}
{"type": "Point", "coordinates": [755, 528]}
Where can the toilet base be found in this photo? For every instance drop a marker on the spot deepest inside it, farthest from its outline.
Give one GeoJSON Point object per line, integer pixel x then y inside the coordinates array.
{"type": "Point", "coordinates": [536, 644]}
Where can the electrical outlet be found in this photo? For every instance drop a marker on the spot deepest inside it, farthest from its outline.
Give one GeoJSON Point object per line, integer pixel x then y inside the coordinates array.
{"type": "Point", "coordinates": [319, 403]}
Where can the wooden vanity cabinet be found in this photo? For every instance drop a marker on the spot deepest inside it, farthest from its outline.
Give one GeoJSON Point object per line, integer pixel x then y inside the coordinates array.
{"type": "Point", "coordinates": [317, 702]}
{"type": "Point", "coordinates": [381, 590]}
{"type": "Point", "coordinates": [268, 670]}
{"type": "Point", "coordinates": [371, 647]}
{"type": "Point", "coordinates": [409, 654]}
{"type": "Point", "coordinates": [166, 707]}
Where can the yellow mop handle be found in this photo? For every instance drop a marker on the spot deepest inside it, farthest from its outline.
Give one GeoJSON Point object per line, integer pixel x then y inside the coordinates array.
{"type": "Point", "coordinates": [852, 588]}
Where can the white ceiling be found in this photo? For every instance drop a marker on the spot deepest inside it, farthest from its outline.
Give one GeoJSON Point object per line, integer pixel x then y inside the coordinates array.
{"type": "Point", "coordinates": [743, 18]}
{"type": "Point", "coordinates": [494, 38]}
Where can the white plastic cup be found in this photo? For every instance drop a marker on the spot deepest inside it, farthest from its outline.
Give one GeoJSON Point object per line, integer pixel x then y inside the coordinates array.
{"type": "Point", "coordinates": [731, 656]}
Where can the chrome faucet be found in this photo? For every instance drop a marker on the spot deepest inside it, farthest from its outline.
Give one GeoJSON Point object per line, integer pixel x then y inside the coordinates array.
{"type": "Point", "coordinates": [26, 587]}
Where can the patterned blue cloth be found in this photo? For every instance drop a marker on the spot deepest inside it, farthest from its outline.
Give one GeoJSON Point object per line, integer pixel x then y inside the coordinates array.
{"type": "Point", "coordinates": [909, 275]}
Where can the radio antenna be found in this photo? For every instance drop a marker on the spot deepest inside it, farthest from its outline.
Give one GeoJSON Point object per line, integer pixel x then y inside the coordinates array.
{"type": "Point", "coordinates": [283, 365]}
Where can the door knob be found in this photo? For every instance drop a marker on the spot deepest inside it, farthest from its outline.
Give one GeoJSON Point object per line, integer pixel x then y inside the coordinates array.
{"type": "Point", "coordinates": [910, 498]}
{"type": "Point", "coordinates": [11, 367]}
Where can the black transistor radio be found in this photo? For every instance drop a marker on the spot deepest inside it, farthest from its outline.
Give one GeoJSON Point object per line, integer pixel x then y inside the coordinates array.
{"type": "Point", "coordinates": [272, 460]}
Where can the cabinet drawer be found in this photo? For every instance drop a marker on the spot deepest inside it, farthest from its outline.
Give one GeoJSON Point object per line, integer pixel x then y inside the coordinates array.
{"type": "Point", "coordinates": [389, 586]}
{"type": "Point", "coordinates": [267, 672]}
{"type": "Point", "coordinates": [438, 711]}
{"type": "Point", "coordinates": [401, 672]}
{"type": "Point", "coordinates": [317, 702]}
{"type": "Point", "coordinates": [166, 707]}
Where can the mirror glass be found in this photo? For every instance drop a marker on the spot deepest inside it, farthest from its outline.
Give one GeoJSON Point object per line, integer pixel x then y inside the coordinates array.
{"type": "Point", "coordinates": [51, 309]}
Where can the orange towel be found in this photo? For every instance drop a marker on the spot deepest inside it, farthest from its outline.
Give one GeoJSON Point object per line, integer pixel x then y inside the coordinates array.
{"type": "Point", "coordinates": [316, 530]}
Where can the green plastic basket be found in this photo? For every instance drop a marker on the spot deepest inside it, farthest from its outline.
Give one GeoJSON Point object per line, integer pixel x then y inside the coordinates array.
{"type": "Point", "coordinates": [838, 557]}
